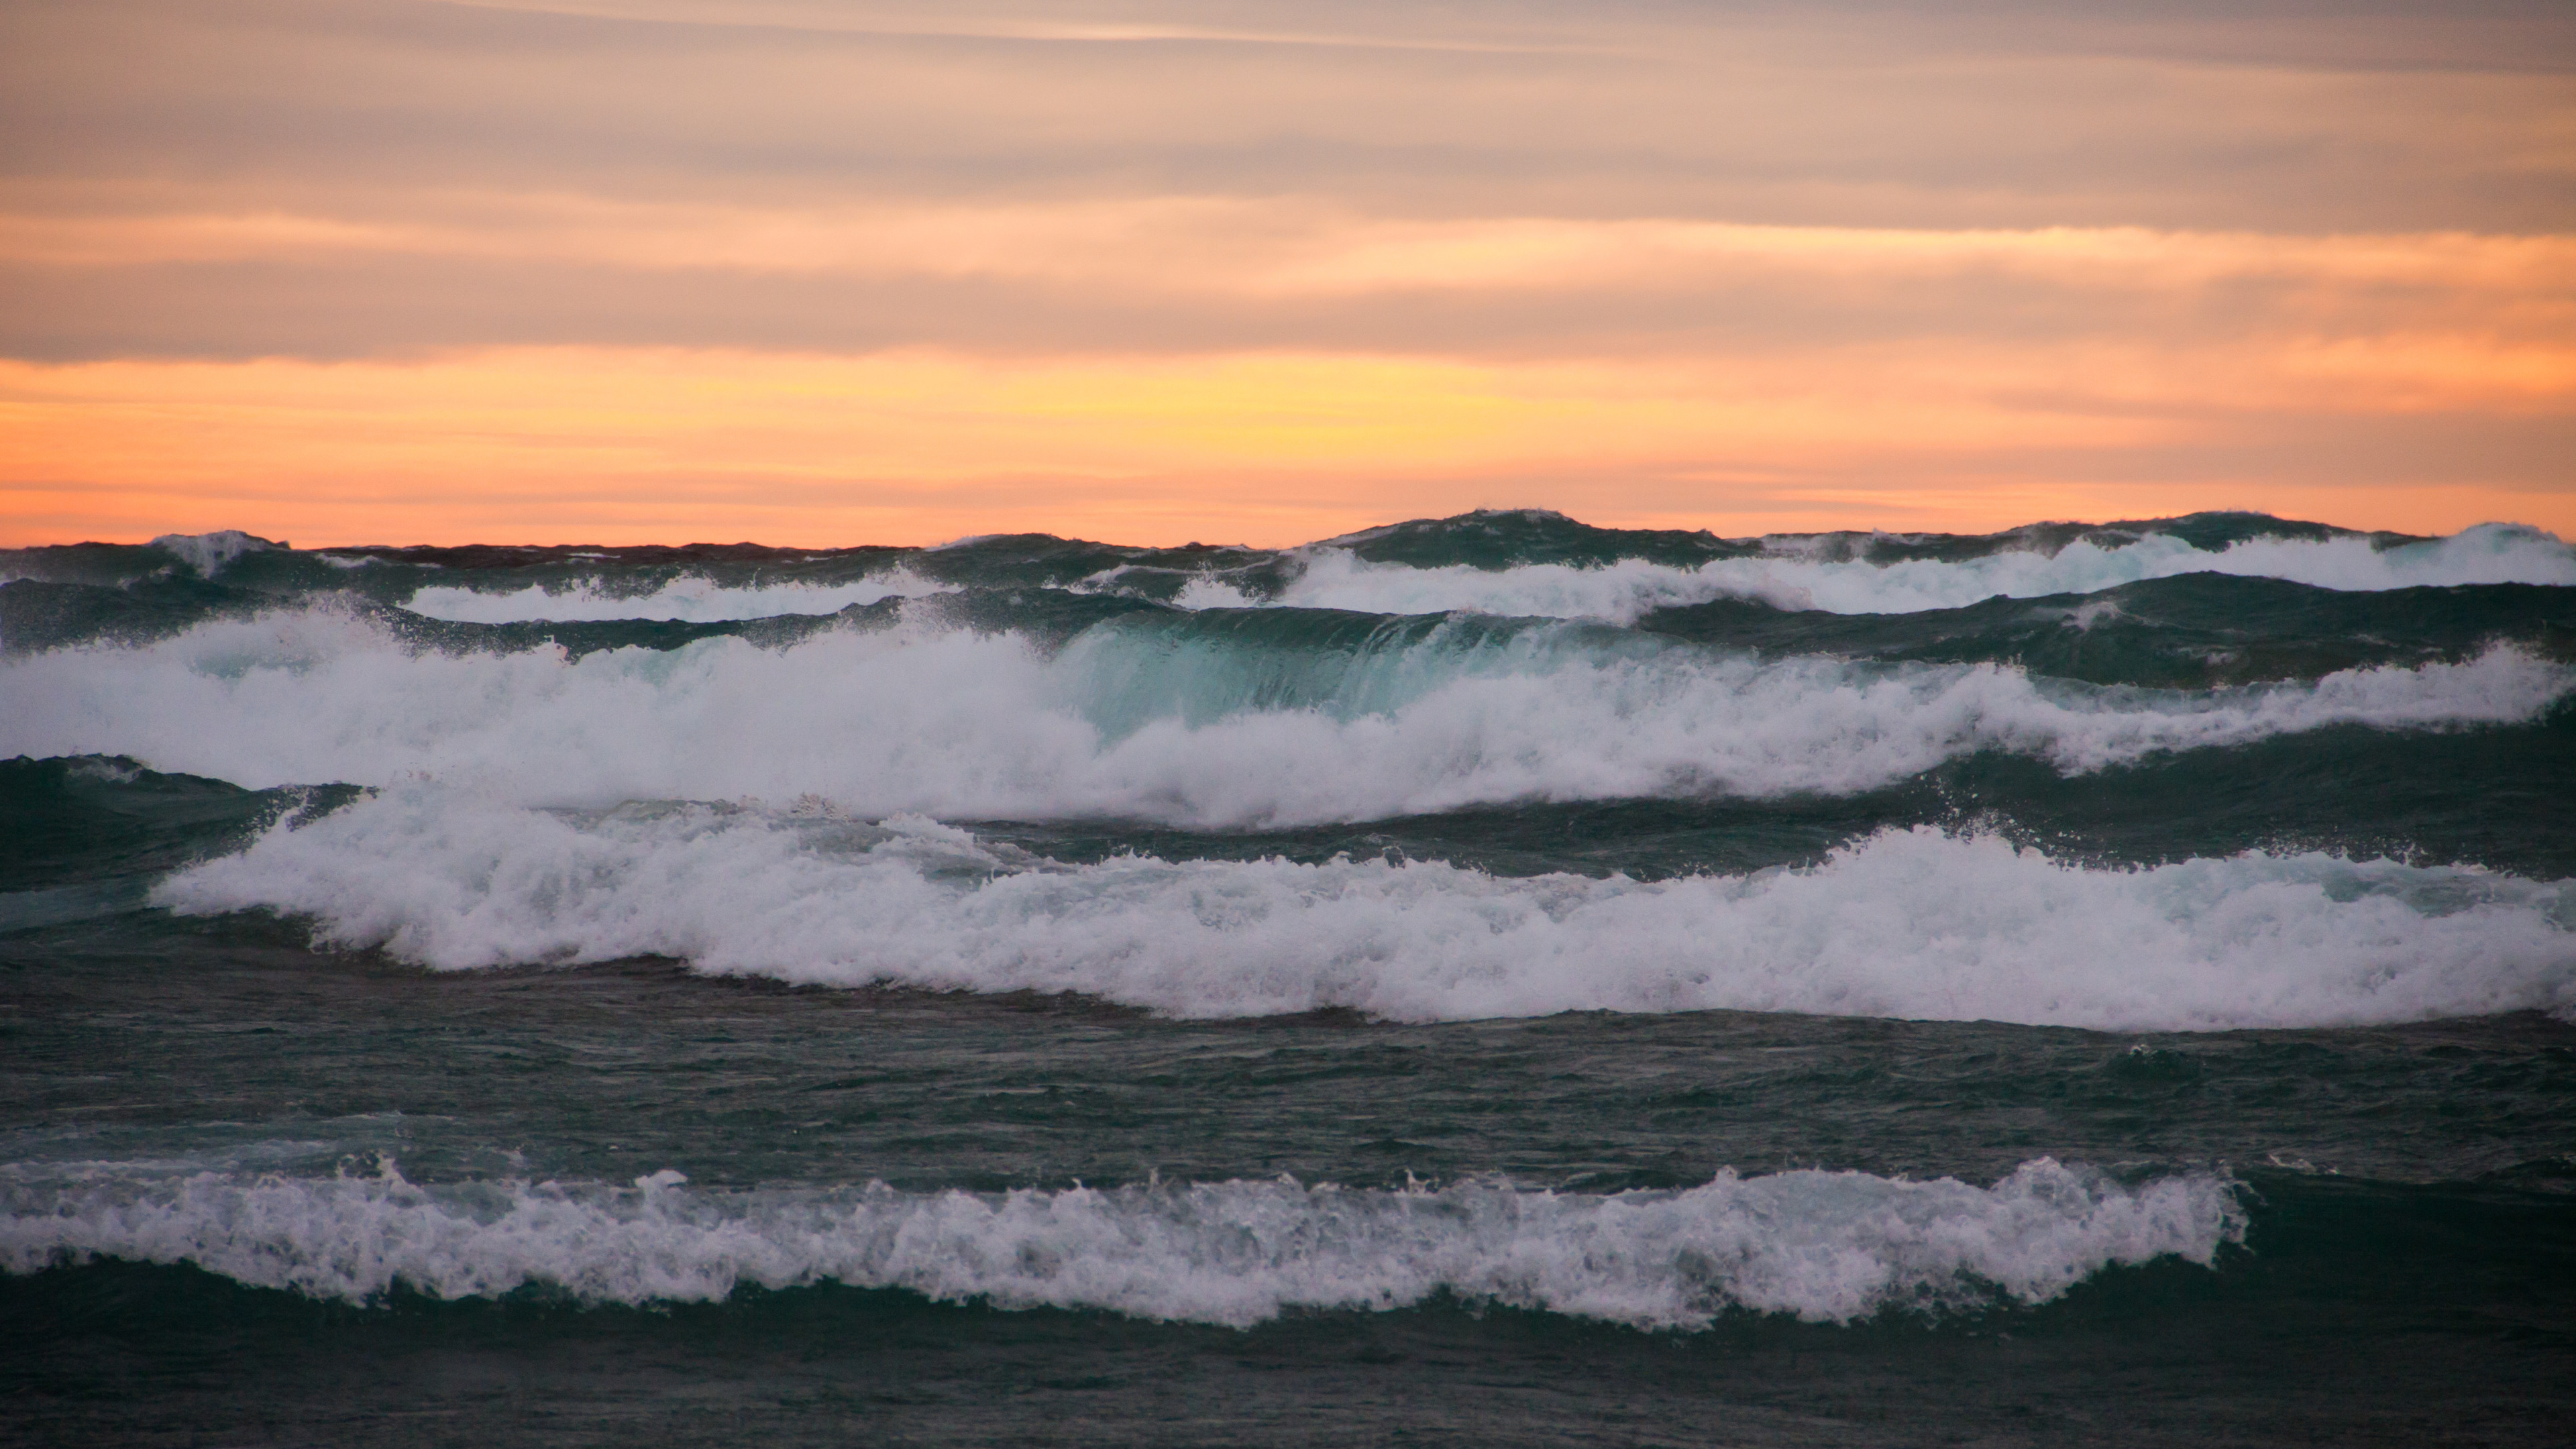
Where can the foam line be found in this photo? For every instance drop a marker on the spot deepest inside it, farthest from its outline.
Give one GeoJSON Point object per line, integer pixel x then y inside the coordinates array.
{"type": "Point", "coordinates": [690, 600]}
{"type": "Point", "coordinates": [1333, 578]}
{"type": "Point", "coordinates": [1125, 724]}
{"type": "Point", "coordinates": [1911, 924]}
{"type": "Point", "coordinates": [1828, 1247]}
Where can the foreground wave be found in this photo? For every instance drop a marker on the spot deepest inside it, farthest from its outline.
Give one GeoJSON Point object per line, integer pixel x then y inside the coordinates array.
{"type": "Point", "coordinates": [1823, 1246]}
{"type": "Point", "coordinates": [1908, 923]}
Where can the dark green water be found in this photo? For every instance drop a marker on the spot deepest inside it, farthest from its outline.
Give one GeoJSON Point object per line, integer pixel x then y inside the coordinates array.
{"type": "Point", "coordinates": [1046, 992]}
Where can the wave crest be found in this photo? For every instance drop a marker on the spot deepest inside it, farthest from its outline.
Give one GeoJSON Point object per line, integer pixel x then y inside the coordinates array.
{"type": "Point", "coordinates": [1141, 722]}
{"type": "Point", "coordinates": [1626, 590]}
{"type": "Point", "coordinates": [688, 600]}
{"type": "Point", "coordinates": [1827, 1247]}
{"type": "Point", "coordinates": [1913, 923]}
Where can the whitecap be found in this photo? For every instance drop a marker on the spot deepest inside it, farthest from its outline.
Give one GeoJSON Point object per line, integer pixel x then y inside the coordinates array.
{"type": "Point", "coordinates": [1625, 591]}
{"type": "Point", "coordinates": [1825, 1247]}
{"type": "Point", "coordinates": [690, 600]}
{"type": "Point", "coordinates": [1126, 724]}
{"type": "Point", "coordinates": [1908, 923]}
{"type": "Point", "coordinates": [208, 553]}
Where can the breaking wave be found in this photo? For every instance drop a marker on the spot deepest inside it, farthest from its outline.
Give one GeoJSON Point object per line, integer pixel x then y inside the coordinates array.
{"type": "Point", "coordinates": [1181, 719]}
{"type": "Point", "coordinates": [1908, 923]}
{"type": "Point", "coordinates": [1625, 590]}
{"type": "Point", "coordinates": [688, 600]}
{"type": "Point", "coordinates": [1822, 1246]}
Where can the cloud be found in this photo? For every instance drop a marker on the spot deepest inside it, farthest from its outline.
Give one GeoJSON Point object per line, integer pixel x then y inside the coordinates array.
{"type": "Point", "coordinates": [1839, 116]}
{"type": "Point", "coordinates": [1177, 274]}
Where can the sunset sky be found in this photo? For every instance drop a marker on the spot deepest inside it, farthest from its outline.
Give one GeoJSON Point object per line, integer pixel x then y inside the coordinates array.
{"type": "Point", "coordinates": [815, 272]}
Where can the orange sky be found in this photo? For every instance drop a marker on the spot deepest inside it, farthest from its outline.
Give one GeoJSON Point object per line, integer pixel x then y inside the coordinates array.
{"type": "Point", "coordinates": [821, 273]}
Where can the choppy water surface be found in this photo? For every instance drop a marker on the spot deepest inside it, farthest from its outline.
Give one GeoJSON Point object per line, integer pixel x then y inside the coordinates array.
{"type": "Point", "coordinates": [1479, 980]}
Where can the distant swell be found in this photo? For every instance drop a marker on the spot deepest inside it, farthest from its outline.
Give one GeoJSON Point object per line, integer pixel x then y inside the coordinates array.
{"type": "Point", "coordinates": [691, 600]}
{"type": "Point", "coordinates": [1913, 924]}
{"type": "Point", "coordinates": [1823, 1246]}
{"type": "Point", "coordinates": [1173, 718]}
{"type": "Point", "coordinates": [1623, 590]}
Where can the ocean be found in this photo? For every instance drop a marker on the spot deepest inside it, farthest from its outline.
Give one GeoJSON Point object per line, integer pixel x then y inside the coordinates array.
{"type": "Point", "coordinates": [1490, 980]}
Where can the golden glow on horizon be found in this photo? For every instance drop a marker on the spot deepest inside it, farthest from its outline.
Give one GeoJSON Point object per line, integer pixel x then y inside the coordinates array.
{"type": "Point", "coordinates": [1954, 429]}
{"type": "Point", "coordinates": [917, 446]}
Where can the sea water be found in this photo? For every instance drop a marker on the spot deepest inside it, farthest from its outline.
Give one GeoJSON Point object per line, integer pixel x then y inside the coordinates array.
{"type": "Point", "coordinates": [1481, 980]}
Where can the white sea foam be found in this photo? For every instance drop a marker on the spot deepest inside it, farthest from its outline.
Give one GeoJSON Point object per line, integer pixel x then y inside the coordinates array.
{"type": "Point", "coordinates": [968, 726]}
{"type": "Point", "coordinates": [1625, 591]}
{"type": "Point", "coordinates": [691, 600]}
{"type": "Point", "coordinates": [1826, 1247]}
{"type": "Point", "coordinates": [1909, 924]}
{"type": "Point", "coordinates": [207, 553]}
